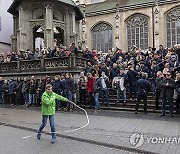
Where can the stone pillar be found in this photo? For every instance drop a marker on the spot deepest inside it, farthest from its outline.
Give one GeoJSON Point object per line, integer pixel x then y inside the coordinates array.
{"type": "Point", "coordinates": [68, 28]}
{"type": "Point", "coordinates": [117, 36]}
{"type": "Point", "coordinates": [14, 36]}
{"type": "Point", "coordinates": [156, 25]}
{"type": "Point", "coordinates": [48, 27]}
{"type": "Point", "coordinates": [20, 34]}
{"type": "Point", "coordinates": [74, 22]}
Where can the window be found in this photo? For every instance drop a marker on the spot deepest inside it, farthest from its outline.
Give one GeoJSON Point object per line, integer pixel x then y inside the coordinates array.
{"type": "Point", "coordinates": [38, 14]}
{"type": "Point", "coordinates": [137, 32]}
{"type": "Point", "coordinates": [102, 37]}
{"type": "Point", "coordinates": [173, 27]}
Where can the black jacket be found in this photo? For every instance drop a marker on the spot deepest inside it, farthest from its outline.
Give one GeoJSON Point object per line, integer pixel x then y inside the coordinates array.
{"type": "Point", "coordinates": [132, 77]}
{"type": "Point", "coordinates": [5, 89]}
{"type": "Point", "coordinates": [143, 87]}
{"type": "Point", "coordinates": [1, 83]}
{"type": "Point", "coordinates": [158, 84]}
{"type": "Point", "coordinates": [167, 91]}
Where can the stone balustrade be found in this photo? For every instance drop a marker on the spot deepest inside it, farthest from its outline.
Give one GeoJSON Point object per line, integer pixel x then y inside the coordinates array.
{"type": "Point", "coordinates": [43, 65]}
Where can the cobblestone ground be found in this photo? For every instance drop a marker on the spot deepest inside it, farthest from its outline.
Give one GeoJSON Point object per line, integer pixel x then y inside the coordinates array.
{"type": "Point", "coordinates": [108, 127]}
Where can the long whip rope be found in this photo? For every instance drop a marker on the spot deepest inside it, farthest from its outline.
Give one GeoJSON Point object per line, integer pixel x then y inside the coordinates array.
{"type": "Point", "coordinates": [73, 130]}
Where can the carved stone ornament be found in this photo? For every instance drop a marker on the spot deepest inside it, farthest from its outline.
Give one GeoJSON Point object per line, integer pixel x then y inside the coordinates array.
{"type": "Point", "coordinates": [55, 63]}
{"type": "Point", "coordinates": [28, 65]}
{"type": "Point", "coordinates": [174, 14]}
{"type": "Point", "coordinates": [102, 27]}
{"type": "Point", "coordinates": [36, 23]}
{"type": "Point", "coordinates": [156, 11]}
{"type": "Point", "coordinates": [58, 24]}
{"type": "Point", "coordinates": [137, 21]}
{"type": "Point", "coordinates": [117, 37]}
{"type": "Point", "coordinates": [117, 17]}
{"type": "Point", "coordinates": [83, 22]}
{"type": "Point", "coordinates": [48, 6]}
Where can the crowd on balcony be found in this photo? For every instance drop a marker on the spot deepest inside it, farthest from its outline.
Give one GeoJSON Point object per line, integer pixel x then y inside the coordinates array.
{"type": "Point", "coordinates": [58, 51]}
{"type": "Point", "coordinates": [131, 74]}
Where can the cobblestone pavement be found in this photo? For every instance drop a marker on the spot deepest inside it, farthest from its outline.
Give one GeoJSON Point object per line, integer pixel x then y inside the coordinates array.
{"type": "Point", "coordinates": [112, 128]}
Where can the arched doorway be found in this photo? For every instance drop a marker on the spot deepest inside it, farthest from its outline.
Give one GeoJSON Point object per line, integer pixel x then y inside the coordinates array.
{"type": "Point", "coordinates": [38, 37]}
{"type": "Point", "coordinates": [58, 36]}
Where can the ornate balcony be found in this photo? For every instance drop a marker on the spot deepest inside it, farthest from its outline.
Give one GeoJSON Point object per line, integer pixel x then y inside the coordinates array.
{"type": "Point", "coordinates": [43, 66]}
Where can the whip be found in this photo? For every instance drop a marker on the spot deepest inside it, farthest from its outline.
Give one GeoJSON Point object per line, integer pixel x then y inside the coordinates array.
{"type": "Point", "coordinates": [73, 130]}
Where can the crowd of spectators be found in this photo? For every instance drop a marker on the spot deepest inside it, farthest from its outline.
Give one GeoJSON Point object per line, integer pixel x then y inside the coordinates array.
{"type": "Point", "coordinates": [121, 71]}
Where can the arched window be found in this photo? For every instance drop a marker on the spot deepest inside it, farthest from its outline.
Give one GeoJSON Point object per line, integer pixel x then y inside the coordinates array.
{"type": "Point", "coordinates": [58, 15]}
{"type": "Point", "coordinates": [137, 31]}
{"type": "Point", "coordinates": [102, 37]}
{"type": "Point", "coordinates": [38, 14]}
{"type": "Point", "coordinates": [173, 27]}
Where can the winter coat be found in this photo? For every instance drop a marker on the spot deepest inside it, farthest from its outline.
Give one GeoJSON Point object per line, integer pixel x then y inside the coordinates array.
{"type": "Point", "coordinates": [69, 85]}
{"type": "Point", "coordinates": [12, 87]}
{"type": "Point", "coordinates": [49, 103]}
{"type": "Point", "coordinates": [96, 86]}
{"type": "Point", "coordinates": [114, 72]}
{"type": "Point", "coordinates": [89, 85]}
{"type": "Point", "coordinates": [158, 84]}
{"type": "Point", "coordinates": [106, 79]}
{"type": "Point", "coordinates": [1, 84]}
{"type": "Point", "coordinates": [132, 77]}
{"type": "Point", "coordinates": [143, 87]}
{"type": "Point", "coordinates": [5, 89]}
{"type": "Point", "coordinates": [167, 91]}
{"type": "Point", "coordinates": [57, 86]}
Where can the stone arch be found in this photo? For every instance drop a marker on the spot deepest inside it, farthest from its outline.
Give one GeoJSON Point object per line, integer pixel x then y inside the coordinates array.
{"type": "Point", "coordinates": [99, 22]}
{"type": "Point", "coordinates": [138, 31]}
{"type": "Point", "coordinates": [58, 15]}
{"type": "Point", "coordinates": [38, 34]}
{"type": "Point", "coordinates": [173, 26]}
{"type": "Point", "coordinates": [38, 13]}
{"type": "Point", "coordinates": [102, 36]}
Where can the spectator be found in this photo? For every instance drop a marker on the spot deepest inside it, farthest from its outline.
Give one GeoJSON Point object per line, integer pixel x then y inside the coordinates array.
{"type": "Point", "coordinates": [19, 97]}
{"type": "Point", "coordinates": [116, 84]}
{"type": "Point", "coordinates": [1, 91]}
{"type": "Point", "coordinates": [89, 87]}
{"type": "Point", "coordinates": [96, 92]}
{"type": "Point", "coordinates": [143, 87]}
{"type": "Point", "coordinates": [5, 89]}
{"type": "Point", "coordinates": [25, 91]}
{"type": "Point", "coordinates": [167, 91]}
{"type": "Point", "coordinates": [177, 92]}
{"type": "Point", "coordinates": [82, 88]}
{"type": "Point", "coordinates": [104, 83]}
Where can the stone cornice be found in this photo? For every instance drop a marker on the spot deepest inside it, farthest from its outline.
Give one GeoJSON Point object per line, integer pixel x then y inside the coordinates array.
{"type": "Point", "coordinates": [126, 8]}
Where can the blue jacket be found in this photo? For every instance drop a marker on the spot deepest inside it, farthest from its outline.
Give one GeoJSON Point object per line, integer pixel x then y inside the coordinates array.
{"type": "Point", "coordinates": [12, 87]}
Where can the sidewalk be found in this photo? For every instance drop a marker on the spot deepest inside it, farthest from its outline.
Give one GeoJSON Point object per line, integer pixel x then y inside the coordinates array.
{"type": "Point", "coordinates": [158, 134]}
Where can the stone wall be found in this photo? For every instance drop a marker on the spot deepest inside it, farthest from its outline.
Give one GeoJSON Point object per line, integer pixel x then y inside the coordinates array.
{"type": "Point", "coordinates": [121, 30]}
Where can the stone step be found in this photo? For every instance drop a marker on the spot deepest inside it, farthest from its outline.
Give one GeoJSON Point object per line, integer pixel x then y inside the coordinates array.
{"type": "Point", "coordinates": [132, 105]}
{"type": "Point", "coordinates": [133, 110]}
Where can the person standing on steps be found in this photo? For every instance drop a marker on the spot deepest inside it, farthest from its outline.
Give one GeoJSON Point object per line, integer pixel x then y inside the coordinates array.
{"type": "Point", "coordinates": [48, 110]}
{"type": "Point", "coordinates": [143, 87]}
{"type": "Point", "coordinates": [167, 92]}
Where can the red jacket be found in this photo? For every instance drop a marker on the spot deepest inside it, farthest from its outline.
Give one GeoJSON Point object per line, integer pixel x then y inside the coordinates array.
{"type": "Point", "coordinates": [89, 85]}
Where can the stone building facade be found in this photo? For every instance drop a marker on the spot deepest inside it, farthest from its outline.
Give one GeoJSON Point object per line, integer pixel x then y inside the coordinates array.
{"type": "Point", "coordinates": [124, 23]}
{"type": "Point", "coordinates": [6, 26]}
{"type": "Point", "coordinates": [54, 21]}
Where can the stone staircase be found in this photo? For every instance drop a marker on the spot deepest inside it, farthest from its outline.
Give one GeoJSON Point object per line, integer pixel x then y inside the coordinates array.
{"type": "Point", "coordinates": [130, 105]}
